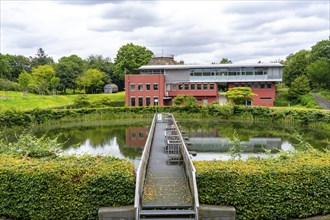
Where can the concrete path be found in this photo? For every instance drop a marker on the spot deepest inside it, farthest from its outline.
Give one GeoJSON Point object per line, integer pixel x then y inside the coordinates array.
{"type": "Point", "coordinates": [324, 103]}
{"type": "Point", "coordinates": [165, 185]}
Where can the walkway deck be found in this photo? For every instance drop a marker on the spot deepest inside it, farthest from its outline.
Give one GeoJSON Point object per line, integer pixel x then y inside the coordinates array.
{"type": "Point", "coordinates": [165, 185]}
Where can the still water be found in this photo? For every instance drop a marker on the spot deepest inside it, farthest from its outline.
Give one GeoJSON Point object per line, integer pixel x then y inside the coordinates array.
{"type": "Point", "coordinates": [210, 139]}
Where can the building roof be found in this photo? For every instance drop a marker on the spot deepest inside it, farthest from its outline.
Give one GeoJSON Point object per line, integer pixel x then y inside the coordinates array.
{"type": "Point", "coordinates": [149, 67]}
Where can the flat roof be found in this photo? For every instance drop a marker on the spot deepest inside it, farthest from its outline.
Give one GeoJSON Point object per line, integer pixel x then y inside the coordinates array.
{"type": "Point", "coordinates": [168, 67]}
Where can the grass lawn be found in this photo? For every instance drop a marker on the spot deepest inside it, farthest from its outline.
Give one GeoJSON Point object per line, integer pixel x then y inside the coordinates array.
{"type": "Point", "coordinates": [14, 100]}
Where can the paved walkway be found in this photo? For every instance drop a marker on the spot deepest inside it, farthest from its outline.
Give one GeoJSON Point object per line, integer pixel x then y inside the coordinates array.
{"type": "Point", "coordinates": [165, 185]}
{"type": "Point", "coordinates": [324, 103]}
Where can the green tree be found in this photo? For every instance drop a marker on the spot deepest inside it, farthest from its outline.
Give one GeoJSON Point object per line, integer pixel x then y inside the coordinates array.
{"type": "Point", "coordinates": [68, 70]}
{"type": "Point", "coordinates": [5, 68]}
{"type": "Point", "coordinates": [320, 50]}
{"type": "Point", "coordinates": [41, 59]}
{"type": "Point", "coordinates": [318, 73]}
{"type": "Point", "coordinates": [129, 57]}
{"type": "Point", "coordinates": [41, 77]}
{"type": "Point", "coordinates": [182, 100]}
{"type": "Point", "coordinates": [91, 80]}
{"type": "Point", "coordinates": [225, 61]}
{"type": "Point", "coordinates": [299, 86]}
{"type": "Point", "coordinates": [239, 95]}
{"type": "Point", "coordinates": [296, 65]}
{"type": "Point", "coordinates": [105, 65]}
{"type": "Point", "coordinates": [54, 83]}
{"type": "Point", "coordinates": [24, 80]}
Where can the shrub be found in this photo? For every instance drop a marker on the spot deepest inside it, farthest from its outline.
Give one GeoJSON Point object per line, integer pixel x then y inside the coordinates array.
{"type": "Point", "coordinates": [278, 188]}
{"type": "Point", "coordinates": [81, 101]}
{"type": "Point", "coordinates": [63, 188]}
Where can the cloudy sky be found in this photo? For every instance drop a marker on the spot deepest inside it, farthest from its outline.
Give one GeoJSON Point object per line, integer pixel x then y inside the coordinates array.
{"type": "Point", "coordinates": [194, 31]}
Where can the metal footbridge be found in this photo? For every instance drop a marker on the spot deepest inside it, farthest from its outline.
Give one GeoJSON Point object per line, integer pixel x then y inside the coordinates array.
{"type": "Point", "coordinates": [165, 183]}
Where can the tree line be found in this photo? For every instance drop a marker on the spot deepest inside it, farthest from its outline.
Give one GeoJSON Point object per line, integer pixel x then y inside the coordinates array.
{"type": "Point", "coordinates": [40, 74]}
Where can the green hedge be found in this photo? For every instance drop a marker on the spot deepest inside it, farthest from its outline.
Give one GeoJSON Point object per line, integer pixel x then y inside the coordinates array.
{"type": "Point", "coordinates": [291, 115]}
{"type": "Point", "coordinates": [277, 188]}
{"type": "Point", "coordinates": [63, 188]}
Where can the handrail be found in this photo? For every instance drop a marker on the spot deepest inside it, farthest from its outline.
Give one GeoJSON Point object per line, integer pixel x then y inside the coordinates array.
{"type": "Point", "coordinates": [190, 170]}
{"type": "Point", "coordinates": [141, 171]}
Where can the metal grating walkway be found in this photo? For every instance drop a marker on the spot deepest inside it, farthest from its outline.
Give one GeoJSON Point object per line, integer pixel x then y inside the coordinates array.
{"type": "Point", "coordinates": [165, 185]}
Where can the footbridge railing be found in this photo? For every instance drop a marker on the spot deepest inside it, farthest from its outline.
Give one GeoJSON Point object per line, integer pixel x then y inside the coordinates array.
{"type": "Point", "coordinates": [189, 169]}
{"type": "Point", "coordinates": [142, 169]}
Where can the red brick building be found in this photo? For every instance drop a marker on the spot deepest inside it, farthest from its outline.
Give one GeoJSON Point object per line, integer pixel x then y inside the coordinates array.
{"type": "Point", "coordinates": [159, 84]}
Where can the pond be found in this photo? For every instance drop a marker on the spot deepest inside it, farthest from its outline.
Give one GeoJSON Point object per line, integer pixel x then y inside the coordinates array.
{"type": "Point", "coordinates": [210, 139]}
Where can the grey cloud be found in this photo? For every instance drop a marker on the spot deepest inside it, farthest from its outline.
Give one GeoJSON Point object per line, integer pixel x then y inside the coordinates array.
{"type": "Point", "coordinates": [89, 2]}
{"type": "Point", "coordinates": [127, 17]}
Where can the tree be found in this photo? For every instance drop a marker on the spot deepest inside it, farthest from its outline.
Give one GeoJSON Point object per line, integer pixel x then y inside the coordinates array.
{"type": "Point", "coordinates": [239, 95]}
{"type": "Point", "coordinates": [41, 59]}
{"type": "Point", "coordinates": [24, 80]}
{"type": "Point", "coordinates": [5, 68]}
{"type": "Point", "coordinates": [183, 100]}
{"type": "Point", "coordinates": [91, 80]}
{"type": "Point", "coordinates": [68, 70]}
{"type": "Point", "coordinates": [296, 65]}
{"type": "Point", "coordinates": [318, 73]}
{"type": "Point", "coordinates": [54, 83]}
{"type": "Point", "coordinates": [225, 61]}
{"type": "Point", "coordinates": [320, 50]}
{"type": "Point", "coordinates": [129, 57]}
{"type": "Point", "coordinates": [11, 66]}
{"type": "Point", "coordinates": [299, 86]}
{"type": "Point", "coordinates": [105, 65]}
{"type": "Point", "coordinates": [41, 77]}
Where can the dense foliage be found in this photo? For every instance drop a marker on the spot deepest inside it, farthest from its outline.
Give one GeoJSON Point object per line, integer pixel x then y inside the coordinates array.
{"type": "Point", "coordinates": [38, 116]}
{"type": "Point", "coordinates": [63, 188]}
{"type": "Point", "coordinates": [279, 188]}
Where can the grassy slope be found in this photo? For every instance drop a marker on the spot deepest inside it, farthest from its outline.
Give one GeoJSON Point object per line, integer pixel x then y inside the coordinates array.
{"type": "Point", "coordinates": [14, 100]}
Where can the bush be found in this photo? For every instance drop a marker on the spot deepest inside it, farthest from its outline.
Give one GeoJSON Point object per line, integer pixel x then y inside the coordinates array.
{"type": "Point", "coordinates": [278, 188]}
{"type": "Point", "coordinates": [81, 101]}
{"type": "Point", "coordinates": [63, 188]}
{"type": "Point", "coordinates": [309, 102]}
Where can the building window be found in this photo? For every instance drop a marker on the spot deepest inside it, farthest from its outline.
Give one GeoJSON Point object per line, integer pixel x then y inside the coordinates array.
{"type": "Point", "coordinates": [180, 87]}
{"type": "Point", "coordinates": [256, 86]}
{"type": "Point", "coordinates": [155, 100]}
{"type": "Point", "coordinates": [173, 87]}
{"type": "Point", "coordinates": [168, 87]}
{"type": "Point", "coordinates": [192, 86]}
{"type": "Point", "coordinates": [199, 86]}
{"type": "Point", "coordinates": [133, 135]}
{"type": "Point", "coordinates": [132, 101]}
{"type": "Point", "coordinates": [140, 87]}
{"type": "Point", "coordinates": [155, 86]}
{"type": "Point", "coordinates": [212, 86]}
{"type": "Point", "coordinates": [148, 86]}
{"type": "Point", "coordinates": [205, 86]}
{"type": "Point", "coordinates": [236, 85]}
{"type": "Point", "coordinates": [132, 87]}
{"type": "Point", "coordinates": [141, 135]}
{"type": "Point", "coordinates": [269, 85]}
{"type": "Point", "coordinates": [147, 101]}
{"type": "Point", "coordinates": [266, 98]}
{"type": "Point", "coordinates": [140, 101]}
{"type": "Point", "coordinates": [249, 85]}
{"type": "Point", "coordinates": [262, 85]}
{"type": "Point", "coordinates": [186, 86]}
{"type": "Point", "coordinates": [242, 84]}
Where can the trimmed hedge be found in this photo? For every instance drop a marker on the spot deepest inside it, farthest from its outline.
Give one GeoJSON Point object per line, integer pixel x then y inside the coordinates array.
{"type": "Point", "coordinates": [277, 188]}
{"type": "Point", "coordinates": [63, 188]}
{"type": "Point", "coordinates": [291, 115]}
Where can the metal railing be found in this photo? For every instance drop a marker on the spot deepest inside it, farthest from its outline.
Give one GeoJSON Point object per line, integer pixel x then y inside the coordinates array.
{"type": "Point", "coordinates": [189, 170]}
{"type": "Point", "coordinates": [141, 171]}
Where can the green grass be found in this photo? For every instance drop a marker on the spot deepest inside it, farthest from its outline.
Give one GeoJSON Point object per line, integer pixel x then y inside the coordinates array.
{"type": "Point", "coordinates": [325, 94]}
{"type": "Point", "coordinates": [14, 100]}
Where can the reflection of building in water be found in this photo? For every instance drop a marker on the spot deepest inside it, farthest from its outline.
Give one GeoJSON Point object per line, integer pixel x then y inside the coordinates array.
{"type": "Point", "coordinates": [223, 144]}
{"type": "Point", "coordinates": [212, 132]}
{"type": "Point", "coordinates": [136, 137]}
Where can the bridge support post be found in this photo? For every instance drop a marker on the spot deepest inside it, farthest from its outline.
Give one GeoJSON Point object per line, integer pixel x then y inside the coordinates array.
{"type": "Point", "coordinates": [113, 213]}
{"type": "Point", "coordinates": [214, 212]}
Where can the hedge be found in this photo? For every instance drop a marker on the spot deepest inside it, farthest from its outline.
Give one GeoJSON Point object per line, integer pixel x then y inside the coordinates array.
{"type": "Point", "coordinates": [63, 188]}
{"type": "Point", "coordinates": [290, 115]}
{"type": "Point", "coordinates": [275, 188]}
